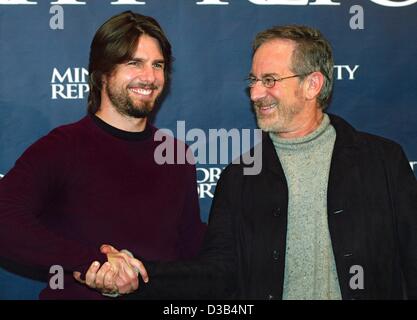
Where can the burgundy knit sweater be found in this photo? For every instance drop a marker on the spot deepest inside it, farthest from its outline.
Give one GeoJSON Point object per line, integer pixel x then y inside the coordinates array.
{"type": "Point", "coordinates": [86, 184]}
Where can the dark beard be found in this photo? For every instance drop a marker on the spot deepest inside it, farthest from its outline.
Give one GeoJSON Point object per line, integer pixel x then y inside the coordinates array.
{"type": "Point", "coordinates": [124, 104]}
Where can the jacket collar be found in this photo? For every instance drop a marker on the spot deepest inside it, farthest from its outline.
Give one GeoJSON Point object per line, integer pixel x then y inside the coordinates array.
{"type": "Point", "coordinates": [346, 135]}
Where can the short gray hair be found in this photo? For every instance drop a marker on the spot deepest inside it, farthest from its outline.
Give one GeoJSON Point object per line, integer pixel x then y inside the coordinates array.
{"type": "Point", "coordinates": [312, 53]}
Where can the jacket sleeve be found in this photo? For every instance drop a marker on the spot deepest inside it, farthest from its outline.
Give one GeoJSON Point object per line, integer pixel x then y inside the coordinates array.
{"type": "Point", "coordinates": [405, 207]}
{"type": "Point", "coordinates": [25, 191]}
{"type": "Point", "coordinates": [212, 275]}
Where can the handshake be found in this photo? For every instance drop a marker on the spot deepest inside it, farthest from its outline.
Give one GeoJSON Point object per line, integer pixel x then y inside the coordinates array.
{"type": "Point", "coordinates": [117, 276]}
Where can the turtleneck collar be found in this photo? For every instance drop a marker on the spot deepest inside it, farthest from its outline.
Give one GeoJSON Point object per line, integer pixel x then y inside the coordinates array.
{"type": "Point", "coordinates": [296, 143]}
{"type": "Point", "coordinates": [121, 134]}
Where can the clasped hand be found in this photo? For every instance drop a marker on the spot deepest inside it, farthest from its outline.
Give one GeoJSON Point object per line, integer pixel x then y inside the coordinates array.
{"type": "Point", "coordinates": [119, 275]}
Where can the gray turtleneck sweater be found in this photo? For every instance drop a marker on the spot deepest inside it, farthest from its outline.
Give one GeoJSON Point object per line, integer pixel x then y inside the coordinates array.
{"type": "Point", "coordinates": [310, 268]}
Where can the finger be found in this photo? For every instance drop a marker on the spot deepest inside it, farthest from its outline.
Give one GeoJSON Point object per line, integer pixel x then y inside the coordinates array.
{"type": "Point", "coordinates": [90, 276]}
{"type": "Point", "coordinates": [123, 284]}
{"type": "Point", "coordinates": [109, 281]}
{"type": "Point", "coordinates": [122, 255]}
{"type": "Point", "coordinates": [77, 276]}
{"type": "Point", "coordinates": [136, 264]}
{"type": "Point", "coordinates": [140, 269]}
{"type": "Point", "coordinates": [129, 270]}
{"type": "Point", "coordinates": [106, 249]}
{"type": "Point", "coordinates": [99, 281]}
{"type": "Point", "coordinates": [127, 277]}
{"type": "Point", "coordinates": [124, 271]}
{"type": "Point", "coordinates": [132, 277]}
{"type": "Point", "coordinates": [127, 252]}
{"type": "Point", "coordinates": [134, 283]}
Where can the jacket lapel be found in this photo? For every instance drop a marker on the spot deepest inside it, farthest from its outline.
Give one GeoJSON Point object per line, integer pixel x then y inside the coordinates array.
{"type": "Point", "coordinates": [342, 193]}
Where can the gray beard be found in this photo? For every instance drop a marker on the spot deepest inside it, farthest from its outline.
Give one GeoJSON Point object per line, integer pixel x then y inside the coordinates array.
{"type": "Point", "coordinates": [285, 116]}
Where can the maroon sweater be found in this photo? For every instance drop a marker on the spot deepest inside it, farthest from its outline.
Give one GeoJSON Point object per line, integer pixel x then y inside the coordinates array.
{"type": "Point", "coordinates": [86, 184]}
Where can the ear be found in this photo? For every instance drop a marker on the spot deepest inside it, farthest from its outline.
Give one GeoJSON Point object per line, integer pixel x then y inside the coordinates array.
{"type": "Point", "coordinates": [103, 79]}
{"type": "Point", "coordinates": [314, 83]}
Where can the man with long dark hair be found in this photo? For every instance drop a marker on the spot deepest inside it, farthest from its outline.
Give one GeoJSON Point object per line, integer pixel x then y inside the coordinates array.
{"type": "Point", "coordinates": [96, 181]}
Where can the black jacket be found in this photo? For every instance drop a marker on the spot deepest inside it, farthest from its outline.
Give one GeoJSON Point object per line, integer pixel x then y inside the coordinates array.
{"type": "Point", "coordinates": [372, 216]}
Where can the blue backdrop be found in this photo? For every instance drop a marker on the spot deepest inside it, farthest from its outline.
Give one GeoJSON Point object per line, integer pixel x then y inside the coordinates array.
{"type": "Point", "coordinates": [44, 51]}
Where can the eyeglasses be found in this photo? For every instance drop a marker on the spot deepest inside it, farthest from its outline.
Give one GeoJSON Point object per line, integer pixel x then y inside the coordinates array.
{"type": "Point", "coordinates": [269, 81]}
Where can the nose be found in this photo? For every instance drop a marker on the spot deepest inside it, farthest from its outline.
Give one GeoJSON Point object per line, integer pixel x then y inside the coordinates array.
{"type": "Point", "coordinates": [147, 74]}
{"type": "Point", "coordinates": [258, 91]}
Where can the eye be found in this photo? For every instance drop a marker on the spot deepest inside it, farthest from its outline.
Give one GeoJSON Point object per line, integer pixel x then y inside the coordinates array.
{"type": "Point", "coordinates": [159, 65]}
{"type": "Point", "coordinates": [133, 63]}
{"type": "Point", "coordinates": [251, 81]}
{"type": "Point", "coordinates": [268, 81]}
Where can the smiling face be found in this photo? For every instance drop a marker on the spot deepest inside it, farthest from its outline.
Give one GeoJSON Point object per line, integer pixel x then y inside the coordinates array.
{"type": "Point", "coordinates": [276, 107]}
{"type": "Point", "coordinates": [134, 86]}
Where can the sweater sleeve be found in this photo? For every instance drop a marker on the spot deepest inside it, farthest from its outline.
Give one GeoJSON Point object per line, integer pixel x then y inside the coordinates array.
{"type": "Point", "coordinates": [26, 190]}
{"type": "Point", "coordinates": [191, 229]}
{"type": "Point", "coordinates": [212, 275]}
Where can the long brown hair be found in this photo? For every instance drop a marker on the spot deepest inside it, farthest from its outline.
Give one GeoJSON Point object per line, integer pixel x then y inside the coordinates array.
{"type": "Point", "coordinates": [115, 42]}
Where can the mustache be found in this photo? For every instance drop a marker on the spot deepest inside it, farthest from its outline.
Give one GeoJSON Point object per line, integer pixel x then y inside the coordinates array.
{"type": "Point", "coordinates": [143, 85]}
{"type": "Point", "coordinates": [265, 102]}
